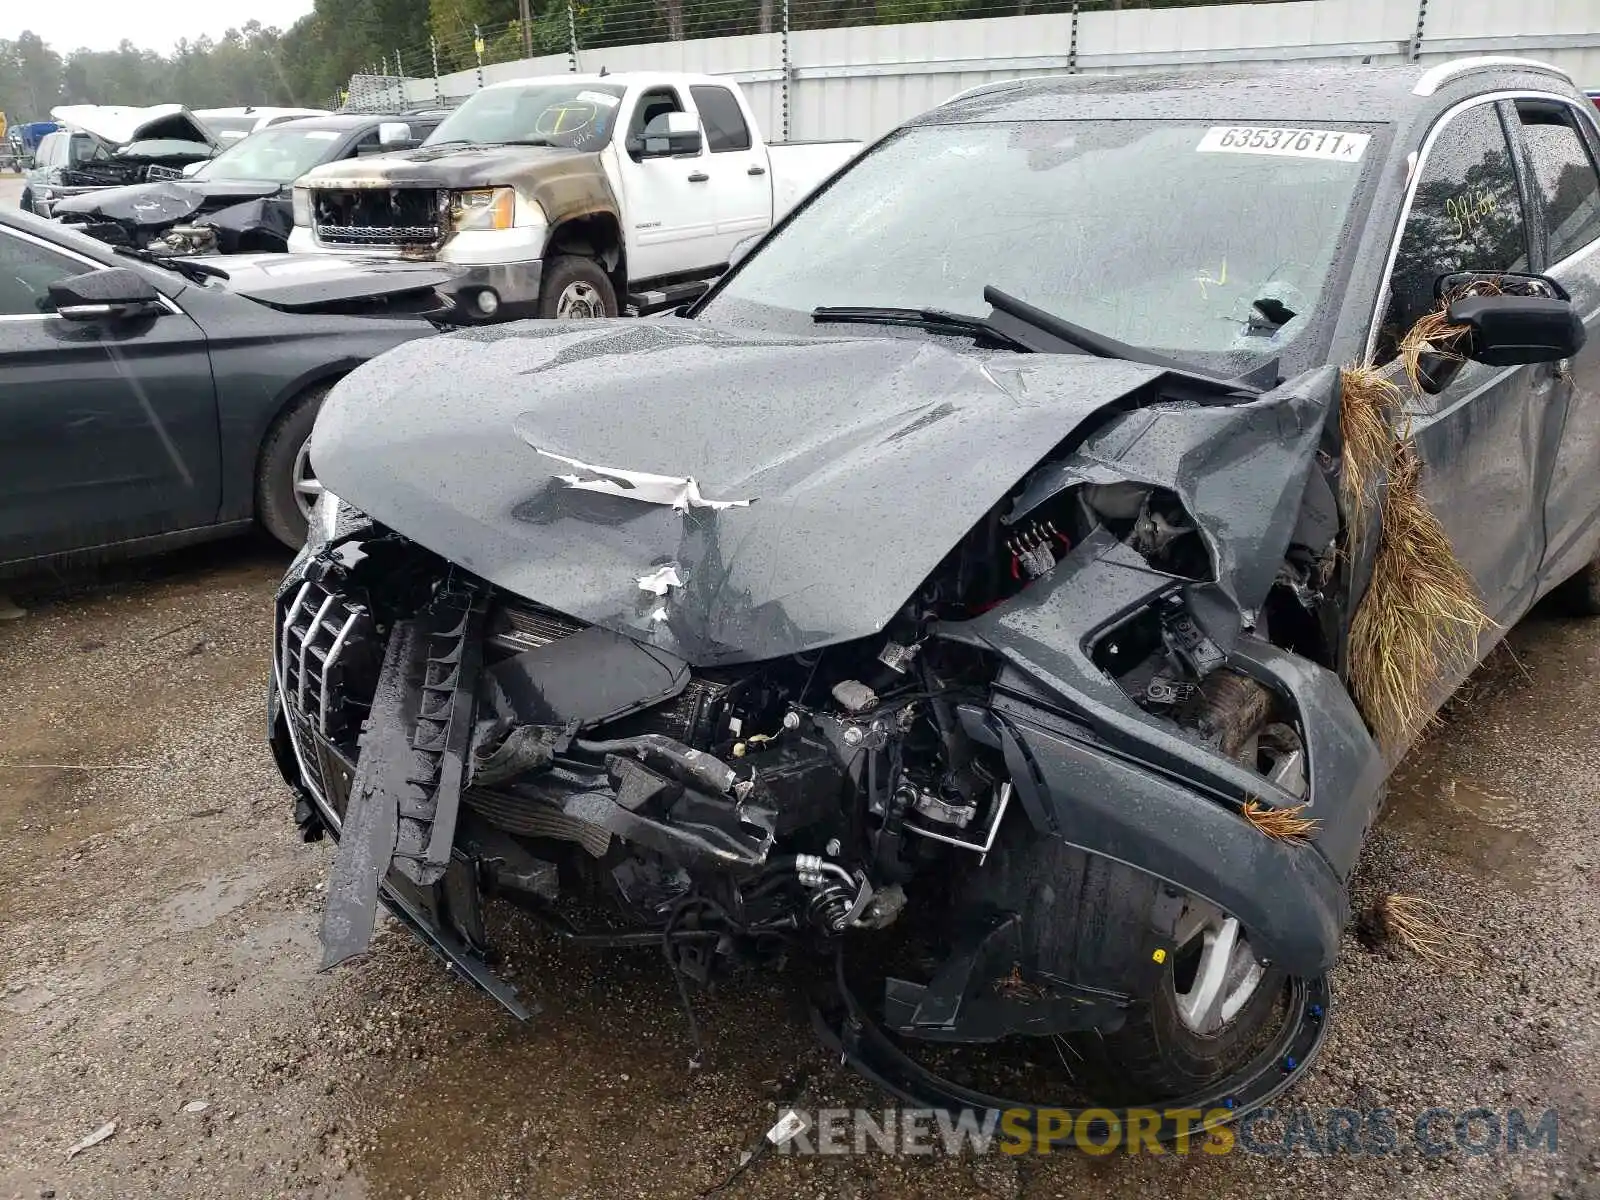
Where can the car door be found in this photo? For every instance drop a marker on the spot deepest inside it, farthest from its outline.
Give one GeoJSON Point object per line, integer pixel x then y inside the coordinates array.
{"type": "Point", "coordinates": [1479, 439]}
{"type": "Point", "coordinates": [668, 202]}
{"type": "Point", "coordinates": [1559, 143]}
{"type": "Point", "coordinates": [108, 429]}
{"type": "Point", "coordinates": [738, 167]}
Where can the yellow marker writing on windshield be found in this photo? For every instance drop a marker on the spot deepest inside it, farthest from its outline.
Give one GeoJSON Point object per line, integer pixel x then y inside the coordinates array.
{"type": "Point", "coordinates": [1204, 279]}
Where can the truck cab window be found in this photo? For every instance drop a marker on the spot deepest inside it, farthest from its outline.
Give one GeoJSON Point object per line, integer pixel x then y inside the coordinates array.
{"type": "Point", "coordinates": [1466, 215]}
{"type": "Point", "coordinates": [652, 104]}
{"type": "Point", "coordinates": [724, 122]}
{"type": "Point", "coordinates": [1564, 177]}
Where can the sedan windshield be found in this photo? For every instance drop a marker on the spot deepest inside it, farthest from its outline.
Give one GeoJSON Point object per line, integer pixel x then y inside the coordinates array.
{"type": "Point", "coordinates": [1213, 244]}
{"type": "Point", "coordinates": [276, 155]}
{"type": "Point", "coordinates": [576, 115]}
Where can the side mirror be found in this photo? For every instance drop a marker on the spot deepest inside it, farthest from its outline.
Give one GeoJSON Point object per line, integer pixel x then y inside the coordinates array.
{"type": "Point", "coordinates": [1509, 331]}
{"type": "Point", "coordinates": [394, 133]}
{"type": "Point", "coordinates": [669, 135]}
{"type": "Point", "coordinates": [112, 294]}
{"type": "Point", "coordinates": [741, 248]}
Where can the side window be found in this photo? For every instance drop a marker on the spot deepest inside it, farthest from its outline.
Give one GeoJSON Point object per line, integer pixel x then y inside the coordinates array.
{"type": "Point", "coordinates": [45, 156]}
{"type": "Point", "coordinates": [654, 103]}
{"type": "Point", "coordinates": [365, 144]}
{"type": "Point", "coordinates": [1466, 215]}
{"type": "Point", "coordinates": [26, 272]}
{"type": "Point", "coordinates": [724, 122]}
{"type": "Point", "coordinates": [1564, 177]}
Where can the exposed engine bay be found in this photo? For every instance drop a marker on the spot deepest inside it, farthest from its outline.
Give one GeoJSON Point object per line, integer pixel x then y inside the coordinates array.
{"type": "Point", "coordinates": [621, 794]}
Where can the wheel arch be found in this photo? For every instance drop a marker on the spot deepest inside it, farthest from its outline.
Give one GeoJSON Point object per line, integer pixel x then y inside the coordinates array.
{"type": "Point", "coordinates": [323, 375]}
{"type": "Point", "coordinates": [596, 235]}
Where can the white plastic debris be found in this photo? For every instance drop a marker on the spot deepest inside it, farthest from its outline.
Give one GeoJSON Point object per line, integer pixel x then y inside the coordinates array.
{"type": "Point", "coordinates": [787, 1126]}
{"type": "Point", "coordinates": [680, 492]}
{"type": "Point", "coordinates": [195, 1106]}
{"type": "Point", "coordinates": [663, 577]}
{"type": "Point", "coordinates": [94, 1139]}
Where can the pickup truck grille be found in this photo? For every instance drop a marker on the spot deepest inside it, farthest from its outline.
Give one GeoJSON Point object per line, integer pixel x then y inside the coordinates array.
{"type": "Point", "coordinates": [378, 217]}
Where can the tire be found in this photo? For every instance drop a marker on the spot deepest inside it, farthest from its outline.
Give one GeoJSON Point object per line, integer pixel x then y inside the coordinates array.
{"type": "Point", "coordinates": [282, 457]}
{"type": "Point", "coordinates": [26, 202]}
{"type": "Point", "coordinates": [1085, 920]}
{"type": "Point", "coordinates": [1580, 595]}
{"type": "Point", "coordinates": [1161, 1050]}
{"type": "Point", "coordinates": [572, 281]}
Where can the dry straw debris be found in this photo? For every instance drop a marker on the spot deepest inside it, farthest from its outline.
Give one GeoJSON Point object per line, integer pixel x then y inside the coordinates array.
{"type": "Point", "coordinates": [1421, 615]}
{"type": "Point", "coordinates": [1284, 824]}
{"type": "Point", "coordinates": [1424, 927]}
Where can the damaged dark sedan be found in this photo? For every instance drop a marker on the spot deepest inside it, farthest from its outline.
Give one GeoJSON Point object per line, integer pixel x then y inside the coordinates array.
{"type": "Point", "coordinates": [1038, 549]}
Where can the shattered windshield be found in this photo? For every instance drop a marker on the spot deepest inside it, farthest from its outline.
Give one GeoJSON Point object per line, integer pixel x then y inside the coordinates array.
{"type": "Point", "coordinates": [277, 155]}
{"type": "Point", "coordinates": [1210, 243]}
{"type": "Point", "coordinates": [577, 115]}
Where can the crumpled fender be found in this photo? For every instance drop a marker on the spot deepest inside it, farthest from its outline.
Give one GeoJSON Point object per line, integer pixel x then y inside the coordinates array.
{"type": "Point", "coordinates": [1098, 771]}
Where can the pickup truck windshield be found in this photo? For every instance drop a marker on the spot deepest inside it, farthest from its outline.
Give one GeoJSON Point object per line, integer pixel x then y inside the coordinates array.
{"type": "Point", "coordinates": [271, 156]}
{"type": "Point", "coordinates": [579, 116]}
{"type": "Point", "coordinates": [1210, 243]}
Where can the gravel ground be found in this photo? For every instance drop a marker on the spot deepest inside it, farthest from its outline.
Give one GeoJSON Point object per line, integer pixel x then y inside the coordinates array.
{"type": "Point", "coordinates": [158, 950]}
{"type": "Point", "coordinates": [158, 946]}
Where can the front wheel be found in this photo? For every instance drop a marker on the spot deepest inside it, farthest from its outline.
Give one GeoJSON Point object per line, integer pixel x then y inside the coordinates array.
{"type": "Point", "coordinates": [1211, 1008]}
{"type": "Point", "coordinates": [26, 202]}
{"type": "Point", "coordinates": [286, 486]}
{"type": "Point", "coordinates": [575, 288]}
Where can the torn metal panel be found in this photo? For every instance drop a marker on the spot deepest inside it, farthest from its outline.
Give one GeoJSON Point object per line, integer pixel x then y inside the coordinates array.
{"type": "Point", "coordinates": [1240, 469]}
{"type": "Point", "coordinates": [679, 493]}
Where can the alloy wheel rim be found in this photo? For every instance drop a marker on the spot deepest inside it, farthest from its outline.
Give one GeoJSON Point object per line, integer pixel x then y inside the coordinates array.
{"type": "Point", "coordinates": [306, 486]}
{"type": "Point", "coordinates": [1226, 972]}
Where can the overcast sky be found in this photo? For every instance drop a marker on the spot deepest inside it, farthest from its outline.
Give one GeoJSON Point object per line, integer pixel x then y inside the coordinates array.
{"type": "Point", "coordinates": [102, 24]}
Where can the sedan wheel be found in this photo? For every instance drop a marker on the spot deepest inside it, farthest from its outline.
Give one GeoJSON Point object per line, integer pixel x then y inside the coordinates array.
{"type": "Point", "coordinates": [306, 487]}
{"type": "Point", "coordinates": [579, 300]}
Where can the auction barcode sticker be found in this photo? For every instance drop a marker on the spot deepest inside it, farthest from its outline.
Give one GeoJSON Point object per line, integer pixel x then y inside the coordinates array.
{"type": "Point", "coordinates": [1335, 144]}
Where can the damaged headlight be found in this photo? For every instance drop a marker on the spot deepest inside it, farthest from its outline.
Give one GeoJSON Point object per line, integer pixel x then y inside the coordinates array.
{"type": "Point", "coordinates": [302, 207]}
{"type": "Point", "coordinates": [483, 208]}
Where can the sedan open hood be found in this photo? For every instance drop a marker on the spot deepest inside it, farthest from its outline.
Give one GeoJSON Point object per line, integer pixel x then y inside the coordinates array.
{"type": "Point", "coordinates": [308, 282]}
{"type": "Point", "coordinates": [117, 125]}
{"type": "Point", "coordinates": [729, 495]}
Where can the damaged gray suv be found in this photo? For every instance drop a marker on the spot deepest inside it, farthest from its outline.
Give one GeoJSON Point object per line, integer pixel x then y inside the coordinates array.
{"type": "Point", "coordinates": [1014, 580]}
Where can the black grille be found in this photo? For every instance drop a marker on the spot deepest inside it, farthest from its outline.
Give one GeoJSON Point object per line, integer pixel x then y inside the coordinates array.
{"type": "Point", "coordinates": [326, 659]}
{"type": "Point", "coordinates": [401, 217]}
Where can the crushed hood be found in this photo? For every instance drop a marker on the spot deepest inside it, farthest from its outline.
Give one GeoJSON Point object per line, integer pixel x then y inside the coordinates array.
{"type": "Point", "coordinates": [307, 282]}
{"type": "Point", "coordinates": [117, 125]}
{"type": "Point", "coordinates": [730, 495]}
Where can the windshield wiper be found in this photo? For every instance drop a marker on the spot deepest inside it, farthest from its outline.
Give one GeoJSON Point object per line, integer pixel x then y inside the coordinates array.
{"type": "Point", "coordinates": [1086, 340]}
{"type": "Point", "coordinates": [934, 320]}
{"type": "Point", "coordinates": [521, 142]}
{"type": "Point", "coordinates": [195, 272]}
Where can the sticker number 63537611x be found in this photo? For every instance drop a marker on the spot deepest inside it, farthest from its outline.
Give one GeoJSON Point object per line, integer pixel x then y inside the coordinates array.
{"type": "Point", "coordinates": [1337, 145]}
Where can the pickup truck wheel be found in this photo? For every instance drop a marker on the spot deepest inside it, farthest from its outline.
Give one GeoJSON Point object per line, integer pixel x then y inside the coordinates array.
{"type": "Point", "coordinates": [575, 288]}
{"type": "Point", "coordinates": [26, 203]}
{"type": "Point", "coordinates": [286, 487]}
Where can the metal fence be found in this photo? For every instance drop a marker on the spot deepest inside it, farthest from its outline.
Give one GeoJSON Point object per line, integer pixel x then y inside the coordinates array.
{"type": "Point", "coordinates": [815, 69]}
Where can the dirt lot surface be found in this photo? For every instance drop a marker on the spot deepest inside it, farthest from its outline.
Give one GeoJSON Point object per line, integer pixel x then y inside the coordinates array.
{"type": "Point", "coordinates": [158, 950]}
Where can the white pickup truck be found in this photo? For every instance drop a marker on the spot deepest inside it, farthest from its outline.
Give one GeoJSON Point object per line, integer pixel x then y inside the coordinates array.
{"type": "Point", "coordinates": [571, 195]}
